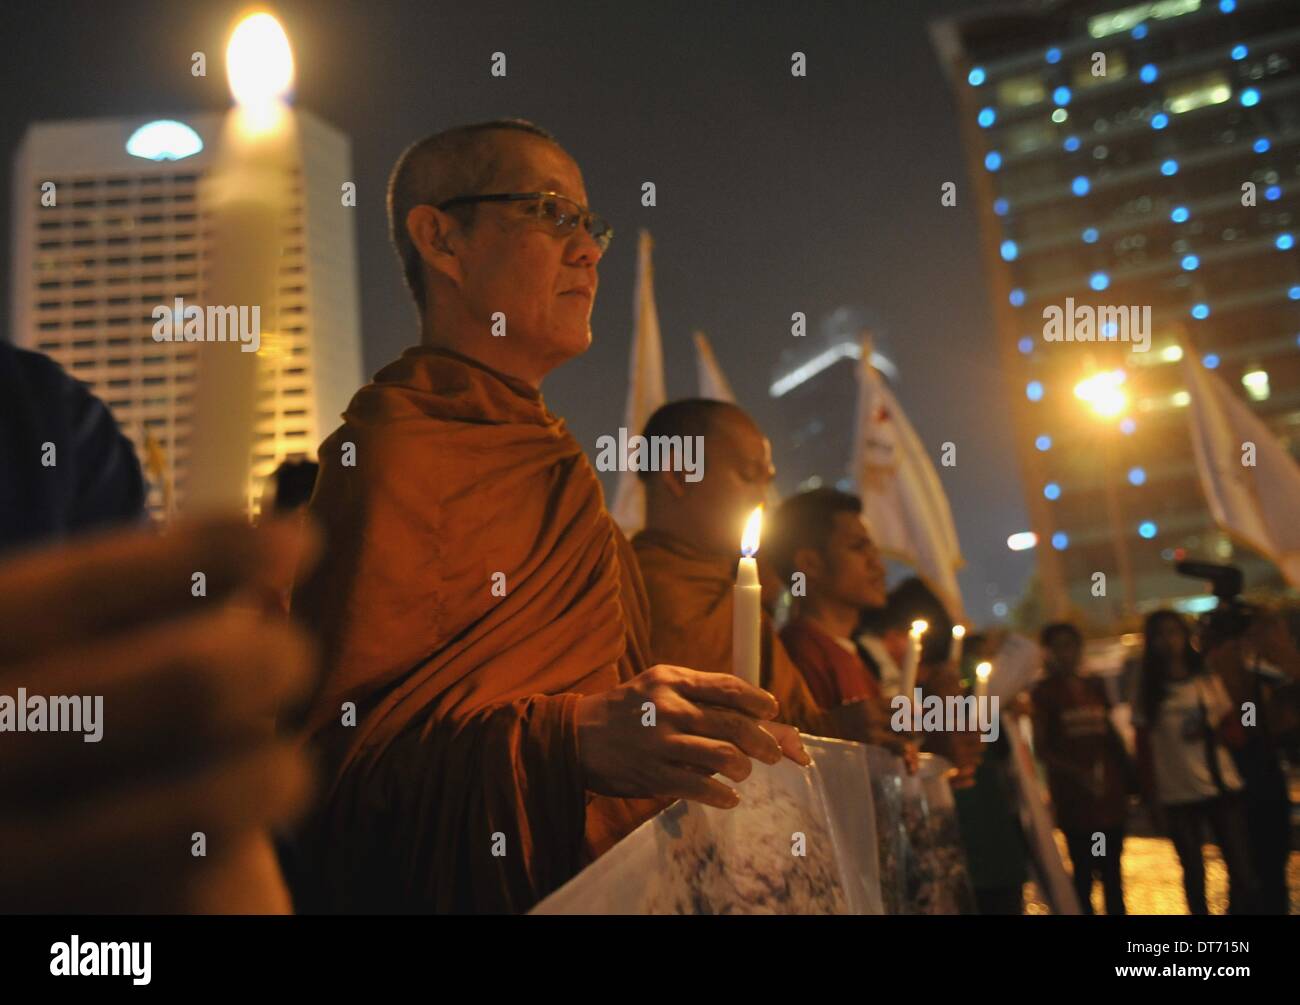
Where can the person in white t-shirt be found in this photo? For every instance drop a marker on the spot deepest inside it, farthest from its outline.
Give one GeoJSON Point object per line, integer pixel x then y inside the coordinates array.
{"type": "Point", "coordinates": [1186, 723]}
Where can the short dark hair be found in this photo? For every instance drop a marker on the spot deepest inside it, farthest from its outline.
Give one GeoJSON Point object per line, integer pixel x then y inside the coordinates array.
{"type": "Point", "coordinates": [804, 521]}
{"type": "Point", "coordinates": [294, 483]}
{"type": "Point", "coordinates": [448, 164]}
{"type": "Point", "coordinates": [1056, 628]}
{"type": "Point", "coordinates": [686, 417]}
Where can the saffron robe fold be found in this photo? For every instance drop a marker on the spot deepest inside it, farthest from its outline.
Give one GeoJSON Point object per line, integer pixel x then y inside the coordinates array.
{"type": "Point", "coordinates": [690, 623]}
{"type": "Point", "coordinates": [472, 588]}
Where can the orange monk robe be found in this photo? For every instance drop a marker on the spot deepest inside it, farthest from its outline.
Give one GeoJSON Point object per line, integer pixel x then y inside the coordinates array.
{"type": "Point", "coordinates": [473, 586]}
{"type": "Point", "coordinates": [690, 619]}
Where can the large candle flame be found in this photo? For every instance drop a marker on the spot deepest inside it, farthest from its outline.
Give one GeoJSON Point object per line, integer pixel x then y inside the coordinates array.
{"type": "Point", "coordinates": [958, 631]}
{"type": "Point", "coordinates": [919, 627]}
{"type": "Point", "coordinates": [753, 528]}
{"type": "Point", "coordinates": [984, 670]}
{"type": "Point", "coordinates": [259, 62]}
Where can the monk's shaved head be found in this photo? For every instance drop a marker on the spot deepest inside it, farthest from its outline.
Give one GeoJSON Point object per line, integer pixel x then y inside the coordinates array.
{"type": "Point", "coordinates": [736, 462]}
{"type": "Point", "coordinates": [455, 162]}
{"type": "Point", "coordinates": [695, 417]}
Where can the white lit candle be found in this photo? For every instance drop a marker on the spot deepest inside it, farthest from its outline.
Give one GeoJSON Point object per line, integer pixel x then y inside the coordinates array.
{"type": "Point", "coordinates": [917, 635]}
{"type": "Point", "coordinates": [747, 606]}
{"type": "Point", "coordinates": [983, 671]}
{"type": "Point", "coordinates": [246, 195]}
{"type": "Point", "coordinates": [958, 636]}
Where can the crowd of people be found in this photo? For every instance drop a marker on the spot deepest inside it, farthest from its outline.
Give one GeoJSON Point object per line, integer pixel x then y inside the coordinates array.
{"type": "Point", "coordinates": [450, 631]}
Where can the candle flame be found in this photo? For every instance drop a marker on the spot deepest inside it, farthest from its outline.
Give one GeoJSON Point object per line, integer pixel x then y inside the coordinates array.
{"type": "Point", "coordinates": [753, 528]}
{"type": "Point", "coordinates": [919, 627]}
{"type": "Point", "coordinates": [958, 631]}
{"type": "Point", "coordinates": [984, 670]}
{"type": "Point", "coordinates": [259, 62]}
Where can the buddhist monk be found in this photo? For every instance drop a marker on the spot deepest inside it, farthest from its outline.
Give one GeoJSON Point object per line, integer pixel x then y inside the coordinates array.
{"type": "Point", "coordinates": [821, 536]}
{"type": "Point", "coordinates": [690, 546]}
{"type": "Point", "coordinates": [483, 723]}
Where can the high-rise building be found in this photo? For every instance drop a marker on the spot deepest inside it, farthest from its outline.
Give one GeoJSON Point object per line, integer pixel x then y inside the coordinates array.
{"type": "Point", "coordinates": [816, 386]}
{"type": "Point", "coordinates": [111, 223]}
{"type": "Point", "coordinates": [1123, 156]}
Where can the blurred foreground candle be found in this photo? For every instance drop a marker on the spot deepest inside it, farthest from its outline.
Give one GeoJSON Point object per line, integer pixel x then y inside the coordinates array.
{"type": "Point", "coordinates": [747, 606]}
{"type": "Point", "coordinates": [983, 671]}
{"type": "Point", "coordinates": [958, 635]}
{"type": "Point", "coordinates": [917, 635]}
{"type": "Point", "coordinates": [247, 198]}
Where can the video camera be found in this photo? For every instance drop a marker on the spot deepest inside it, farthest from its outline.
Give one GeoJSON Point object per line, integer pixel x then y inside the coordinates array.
{"type": "Point", "coordinates": [1232, 617]}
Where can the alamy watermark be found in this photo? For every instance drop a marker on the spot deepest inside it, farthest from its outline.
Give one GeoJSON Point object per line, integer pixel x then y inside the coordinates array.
{"type": "Point", "coordinates": [182, 323]}
{"type": "Point", "coordinates": [954, 713]}
{"type": "Point", "coordinates": [1085, 323]}
{"type": "Point", "coordinates": [651, 453]}
{"type": "Point", "coordinates": [60, 713]}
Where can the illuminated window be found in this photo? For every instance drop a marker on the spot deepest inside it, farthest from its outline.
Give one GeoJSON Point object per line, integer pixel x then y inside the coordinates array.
{"type": "Point", "coordinates": [1198, 92]}
{"type": "Point", "coordinates": [1018, 92]}
{"type": "Point", "coordinates": [1128, 18]}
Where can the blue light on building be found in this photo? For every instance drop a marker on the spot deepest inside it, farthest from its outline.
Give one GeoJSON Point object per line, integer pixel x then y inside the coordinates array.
{"type": "Point", "coordinates": [1147, 529]}
{"type": "Point", "coordinates": [1017, 297]}
{"type": "Point", "coordinates": [1149, 73]}
{"type": "Point", "coordinates": [976, 76]}
{"type": "Point", "coordinates": [1169, 168]}
{"type": "Point", "coordinates": [1009, 251]}
{"type": "Point", "coordinates": [1210, 361]}
{"type": "Point", "coordinates": [1071, 144]}
{"type": "Point", "coordinates": [1053, 55]}
{"type": "Point", "coordinates": [1043, 443]}
{"type": "Point", "coordinates": [1139, 31]}
{"type": "Point", "coordinates": [1180, 214]}
{"type": "Point", "coordinates": [1127, 426]}
{"type": "Point", "coordinates": [1060, 540]}
{"type": "Point", "coordinates": [1273, 193]}
{"type": "Point", "coordinates": [1052, 491]}
{"type": "Point", "coordinates": [1201, 311]}
{"type": "Point", "coordinates": [1099, 281]}
{"type": "Point", "coordinates": [164, 140]}
{"type": "Point", "coordinates": [987, 117]}
{"type": "Point", "coordinates": [1001, 206]}
{"type": "Point", "coordinates": [1159, 120]}
{"type": "Point", "coordinates": [1250, 97]}
{"type": "Point", "coordinates": [993, 160]}
{"type": "Point", "coordinates": [1080, 186]}
{"type": "Point", "coordinates": [1061, 95]}
{"type": "Point", "coordinates": [1261, 145]}
{"type": "Point", "coordinates": [1034, 390]}
{"type": "Point", "coordinates": [1284, 242]}
{"type": "Point", "coordinates": [1190, 263]}
{"type": "Point", "coordinates": [1239, 52]}
{"type": "Point", "coordinates": [1089, 235]}
{"type": "Point", "coordinates": [1025, 345]}
{"type": "Point", "coordinates": [1137, 476]}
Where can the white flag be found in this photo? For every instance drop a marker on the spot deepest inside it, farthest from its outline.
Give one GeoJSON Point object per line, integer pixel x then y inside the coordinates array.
{"type": "Point", "coordinates": [902, 497]}
{"type": "Point", "coordinates": [1259, 503]}
{"type": "Point", "coordinates": [712, 382]}
{"type": "Point", "coordinates": [645, 389]}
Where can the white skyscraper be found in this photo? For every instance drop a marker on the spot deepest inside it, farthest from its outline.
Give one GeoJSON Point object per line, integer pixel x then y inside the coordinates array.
{"type": "Point", "coordinates": [110, 223]}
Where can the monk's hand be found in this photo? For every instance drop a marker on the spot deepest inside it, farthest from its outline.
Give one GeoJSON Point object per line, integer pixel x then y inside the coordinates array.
{"type": "Point", "coordinates": [187, 683]}
{"type": "Point", "coordinates": [666, 731]}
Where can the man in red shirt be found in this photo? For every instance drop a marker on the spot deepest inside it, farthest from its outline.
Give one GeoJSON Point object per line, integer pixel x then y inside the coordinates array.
{"type": "Point", "coordinates": [823, 550]}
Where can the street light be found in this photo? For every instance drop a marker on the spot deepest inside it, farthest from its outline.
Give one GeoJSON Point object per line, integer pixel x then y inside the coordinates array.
{"type": "Point", "coordinates": [1104, 394]}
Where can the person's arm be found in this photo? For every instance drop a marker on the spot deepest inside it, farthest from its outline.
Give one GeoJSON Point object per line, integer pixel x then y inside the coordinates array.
{"type": "Point", "coordinates": [183, 687]}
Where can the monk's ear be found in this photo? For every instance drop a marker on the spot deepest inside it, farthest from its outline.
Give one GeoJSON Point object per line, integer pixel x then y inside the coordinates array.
{"type": "Point", "coordinates": [672, 482]}
{"type": "Point", "coordinates": [809, 561]}
{"type": "Point", "coordinates": [430, 230]}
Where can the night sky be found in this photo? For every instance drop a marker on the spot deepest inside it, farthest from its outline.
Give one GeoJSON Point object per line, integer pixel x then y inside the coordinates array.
{"type": "Point", "coordinates": [775, 193]}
